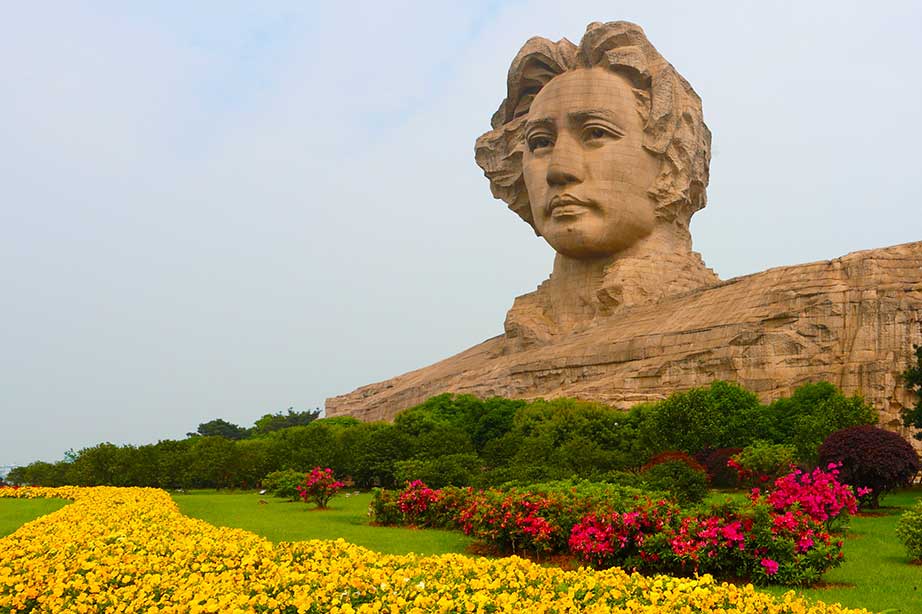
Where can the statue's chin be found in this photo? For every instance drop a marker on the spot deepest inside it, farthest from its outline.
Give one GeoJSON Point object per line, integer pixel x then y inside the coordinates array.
{"type": "Point", "coordinates": [580, 247]}
{"type": "Point", "coordinates": [585, 238]}
{"type": "Point", "coordinates": [582, 254]}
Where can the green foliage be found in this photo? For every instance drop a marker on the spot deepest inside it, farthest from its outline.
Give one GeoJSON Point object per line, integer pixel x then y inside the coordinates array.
{"type": "Point", "coordinates": [448, 470]}
{"type": "Point", "coordinates": [909, 531]}
{"type": "Point", "coordinates": [374, 462]}
{"type": "Point", "coordinates": [912, 380]}
{"type": "Point", "coordinates": [212, 463]}
{"type": "Point", "coordinates": [220, 428]}
{"type": "Point", "coordinates": [512, 441]}
{"type": "Point", "coordinates": [340, 421]}
{"type": "Point", "coordinates": [814, 411]}
{"type": "Point", "coordinates": [383, 508]}
{"type": "Point", "coordinates": [283, 483]}
{"type": "Point", "coordinates": [685, 482]}
{"type": "Point", "coordinates": [764, 462]}
{"type": "Point", "coordinates": [563, 438]}
{"type": "Point", "coordinates": [277, 421]}
{"type": "Point", "coordinates": [707, 417]}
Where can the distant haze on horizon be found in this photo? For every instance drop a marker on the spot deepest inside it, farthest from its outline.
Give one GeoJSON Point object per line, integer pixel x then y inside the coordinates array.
{"type": "Point", "coordinates": [222, 210]}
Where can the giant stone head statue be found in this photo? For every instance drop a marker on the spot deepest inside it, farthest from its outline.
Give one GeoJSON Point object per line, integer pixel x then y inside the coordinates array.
{"type": "Point", "coordinates": [597, 145]}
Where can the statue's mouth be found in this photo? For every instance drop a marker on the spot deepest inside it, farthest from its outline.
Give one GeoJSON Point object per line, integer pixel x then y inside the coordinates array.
{"type": "Point", "coordinates": [564, 205]}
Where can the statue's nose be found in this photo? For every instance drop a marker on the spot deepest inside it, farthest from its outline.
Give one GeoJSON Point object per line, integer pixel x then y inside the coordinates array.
{"type": "Point", "coordinates": [566, 162]}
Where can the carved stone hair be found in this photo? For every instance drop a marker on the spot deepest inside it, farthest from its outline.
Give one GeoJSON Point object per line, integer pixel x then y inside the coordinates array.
{"type": "Point", "coordinates": [674, 128]}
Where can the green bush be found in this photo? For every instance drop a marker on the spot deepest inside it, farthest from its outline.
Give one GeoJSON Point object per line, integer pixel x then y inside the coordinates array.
{"type": "Point", "coordinates": [383, 507]}
{"type": "Point", "coordinates": [707, 417]}
{"type": "Point", "coordinates": [284, 483]}
{"type": "Point", "coordinates": [763, 462]}
{"type": "Point", "coordinates": [621, 478]}
{"type": "Point", "coordinates": [449, 470]}
{"type": "Point", "coordinates": [811, 414]}
{"type": "Point", "coordinates": [909, 531]}
{"type": "Point", "coordinates": [685, 483]}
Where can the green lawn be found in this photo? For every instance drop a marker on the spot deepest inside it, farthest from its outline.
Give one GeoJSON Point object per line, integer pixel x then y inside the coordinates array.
{"type": "Point", "coordinates": [16, 512]}
{"type": "Point", "coordinates": [278, 520]}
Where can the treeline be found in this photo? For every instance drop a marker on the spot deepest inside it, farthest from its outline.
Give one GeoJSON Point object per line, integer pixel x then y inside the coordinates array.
{"type": "Point", "coordinates": [463, 440]}
{"type": "Point", "coordinates": [265, 425]}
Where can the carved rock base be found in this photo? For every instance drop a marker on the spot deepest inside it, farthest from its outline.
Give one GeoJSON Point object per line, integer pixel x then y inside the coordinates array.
{"type": "Point", "coordinates": [852, 321]}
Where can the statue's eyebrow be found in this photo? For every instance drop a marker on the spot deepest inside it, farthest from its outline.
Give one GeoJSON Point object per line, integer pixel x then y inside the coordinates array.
{"type": "Point", "coordinates": [581, 116]}
{"type": "Point", "coordinates": [539, 122]}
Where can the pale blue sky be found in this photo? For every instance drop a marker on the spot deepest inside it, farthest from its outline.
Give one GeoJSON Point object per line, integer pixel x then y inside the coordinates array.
{"type": "Point", "coordinates": [222, 209]}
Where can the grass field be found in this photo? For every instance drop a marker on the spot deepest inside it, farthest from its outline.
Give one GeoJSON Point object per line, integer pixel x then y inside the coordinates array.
{"type": "Point", "coordinates": [16, 512]}
{"type": "Point", "coordinates": [278, 520]}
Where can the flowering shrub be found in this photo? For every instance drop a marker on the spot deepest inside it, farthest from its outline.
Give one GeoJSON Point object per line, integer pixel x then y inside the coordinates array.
{"type": "Point", "coordinates": [515, 520]}
{"type": "Point", "coordinates": [130, 550]}
{"type": "Point", "coordinates": [319, 486]}
{"type": "Point", "coordinates": [632, 539]}
{"type": "Point", "coordinates": [422, 506]}
{"type": "Point", "coordinates": [534, 519]}
{"type": "Point", "coordinates": [417, 498]}
{"type": "Point", "coordinates": [733, 539]}
{"type": "Point", "coordinates": [819, 494]}
{"type": "Point", "coordinates": [284, 483]}
{"type": "Point", "coordinates": [607, 526]}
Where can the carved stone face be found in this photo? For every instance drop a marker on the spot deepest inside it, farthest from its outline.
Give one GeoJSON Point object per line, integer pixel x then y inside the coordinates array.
{"type": "Point", "coordinates": [586, 171]}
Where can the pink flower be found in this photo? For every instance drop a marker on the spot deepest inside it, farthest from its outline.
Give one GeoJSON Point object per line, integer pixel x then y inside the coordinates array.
{"type": "Point", "coordinates": [771, 567]}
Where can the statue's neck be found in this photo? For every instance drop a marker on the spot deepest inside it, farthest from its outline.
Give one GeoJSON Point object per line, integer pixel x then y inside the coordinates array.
{"type": "Point", "coordinates": [581, 290]}
{"type": "Point", "coordinates": [655, 266]}
{"type": "Point", "coordinates": [660, 243]}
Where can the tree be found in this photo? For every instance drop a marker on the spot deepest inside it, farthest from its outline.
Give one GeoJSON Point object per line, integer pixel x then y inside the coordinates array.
{"type": "Point", "coordinates": [700, 418]}
{"type": "Point", "coordinates": [277, 421]}
{"type": "Point", "coordinates": [213, 463]}
{"type": "Point", "coordinates": [912, 380]}
{"type": "Point", "coordinates": [220, 428]}
{"type": "Point", "coordinates": [814, 411]}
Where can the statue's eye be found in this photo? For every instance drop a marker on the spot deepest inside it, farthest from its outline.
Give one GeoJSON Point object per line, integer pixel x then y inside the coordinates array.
{"type": "Point", "coordinates": [539, 141]}
{"type": "Point", "coordinates": [595, 133]}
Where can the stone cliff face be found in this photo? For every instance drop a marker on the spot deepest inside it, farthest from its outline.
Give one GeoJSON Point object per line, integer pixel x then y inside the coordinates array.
{"type": "Point", "coordinates": [852, 321]}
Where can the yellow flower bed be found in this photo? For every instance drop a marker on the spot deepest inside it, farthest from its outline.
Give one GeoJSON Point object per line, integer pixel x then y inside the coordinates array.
{"type": "Point", "coordinates": [130, 550]}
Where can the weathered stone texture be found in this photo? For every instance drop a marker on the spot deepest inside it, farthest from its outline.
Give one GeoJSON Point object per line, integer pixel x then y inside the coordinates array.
{"type": "Point", "coordinates": [851, 321]}
{"type": "Point", "coordinates": [602, 149]}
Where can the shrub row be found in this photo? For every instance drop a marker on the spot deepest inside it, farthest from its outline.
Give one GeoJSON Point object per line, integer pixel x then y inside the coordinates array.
{"type": "Point", "coordinates": [780, 536]}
